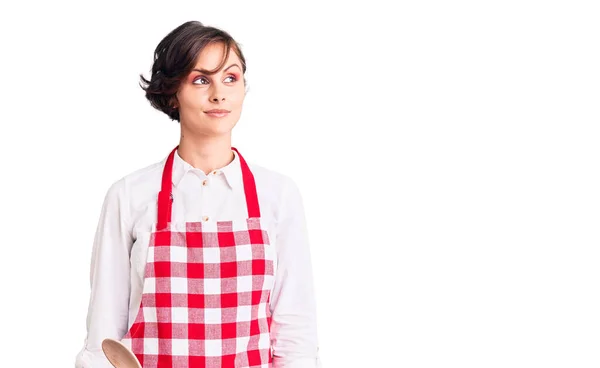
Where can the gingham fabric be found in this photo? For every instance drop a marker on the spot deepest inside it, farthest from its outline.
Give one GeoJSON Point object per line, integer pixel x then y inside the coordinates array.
{"type": "Point", "coordinates": [205, 300]}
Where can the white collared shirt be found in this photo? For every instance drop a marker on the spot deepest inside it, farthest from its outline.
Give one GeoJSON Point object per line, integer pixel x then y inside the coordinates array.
{"type": "Point", "coordinates": [123, 235]}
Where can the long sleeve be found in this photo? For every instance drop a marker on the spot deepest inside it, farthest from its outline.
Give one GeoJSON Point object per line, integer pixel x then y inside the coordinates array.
{"type": "Point", "coordinates": [293, 307]}
{"type": "Point", "coordinates": [109, 279]}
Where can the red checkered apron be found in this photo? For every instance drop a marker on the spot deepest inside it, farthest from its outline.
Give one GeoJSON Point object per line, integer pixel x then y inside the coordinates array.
{"type": "Point", "coordinates": [205, 299]}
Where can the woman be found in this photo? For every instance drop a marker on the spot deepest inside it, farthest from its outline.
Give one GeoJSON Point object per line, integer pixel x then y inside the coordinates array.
{"type": "Point", "coordinates": [202, 259]}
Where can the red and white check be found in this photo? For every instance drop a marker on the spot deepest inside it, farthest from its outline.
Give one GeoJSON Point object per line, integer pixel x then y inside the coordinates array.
{"type": "Point", "coordinates": [207, 285]}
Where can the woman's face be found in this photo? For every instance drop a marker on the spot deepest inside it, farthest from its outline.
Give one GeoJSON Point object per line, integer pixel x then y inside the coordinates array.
{"type": "Point", "coordinates": [200, 93]}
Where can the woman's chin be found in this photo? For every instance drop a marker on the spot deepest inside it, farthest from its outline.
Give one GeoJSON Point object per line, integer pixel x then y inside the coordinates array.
{"type": "Point", "coordinates": [210, 127]}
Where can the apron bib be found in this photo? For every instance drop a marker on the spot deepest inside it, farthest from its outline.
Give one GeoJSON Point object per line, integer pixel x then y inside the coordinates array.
{"type": "Point", "coordinates": [206, 292]}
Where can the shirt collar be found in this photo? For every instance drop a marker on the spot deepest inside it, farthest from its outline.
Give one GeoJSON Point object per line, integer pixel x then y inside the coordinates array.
{"type": "Point", "coordinates": [232, 171]}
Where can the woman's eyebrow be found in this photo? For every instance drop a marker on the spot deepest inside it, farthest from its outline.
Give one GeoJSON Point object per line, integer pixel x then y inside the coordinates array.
{"type": "Point", "coordinates": [207, 72]}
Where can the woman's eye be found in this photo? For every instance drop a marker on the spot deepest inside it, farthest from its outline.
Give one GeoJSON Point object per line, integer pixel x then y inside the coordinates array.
{"type": "Point", "coordinates": [199, 79]}
{"type": "Point", "coordinates": [196, 81]}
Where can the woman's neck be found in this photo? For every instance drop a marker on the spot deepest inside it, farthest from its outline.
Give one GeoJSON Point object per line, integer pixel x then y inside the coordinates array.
{"type": "Point", "coordinates": [206, 153]}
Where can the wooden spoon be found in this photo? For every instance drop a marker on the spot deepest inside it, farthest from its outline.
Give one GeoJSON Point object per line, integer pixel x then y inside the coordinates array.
{"type": "Point", "coordinates": [119, 355]}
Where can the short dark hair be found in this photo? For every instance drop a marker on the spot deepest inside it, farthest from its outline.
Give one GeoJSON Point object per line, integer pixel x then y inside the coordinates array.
{"type": "Point", "coordinates": [175, 57]}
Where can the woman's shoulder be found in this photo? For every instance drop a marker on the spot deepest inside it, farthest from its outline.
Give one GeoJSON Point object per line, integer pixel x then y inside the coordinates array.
{"type": "Point", "coordinates": [274, 186]}
{"type": "Point", "coordinates": [141, 178]}
{"type": "Point", "coordinates": [139, 185]}
{"type": "Point", "coordinates": [269, 179]}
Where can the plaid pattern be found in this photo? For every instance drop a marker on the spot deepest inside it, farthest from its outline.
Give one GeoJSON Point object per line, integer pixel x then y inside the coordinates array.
{"type": "Point", "coordinates": [205, 300]}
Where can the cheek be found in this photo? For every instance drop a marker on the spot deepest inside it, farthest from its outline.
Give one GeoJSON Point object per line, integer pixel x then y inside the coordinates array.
{"type": "Point", "coordinates": [190, 98]}
{"type": "Point", "coordinates": [238, 96]}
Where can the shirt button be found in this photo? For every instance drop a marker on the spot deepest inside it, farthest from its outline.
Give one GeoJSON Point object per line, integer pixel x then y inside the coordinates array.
{"type": "Point", "coordinates": [204, 182]}
{"type": "Point", "coordinates": [205, 218]}
{"type": "Point", "coordinates": [215, 172]}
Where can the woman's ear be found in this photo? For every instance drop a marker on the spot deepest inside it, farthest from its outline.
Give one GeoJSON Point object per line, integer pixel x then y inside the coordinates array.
{"type": "Point", "coordinates": [174, 103]}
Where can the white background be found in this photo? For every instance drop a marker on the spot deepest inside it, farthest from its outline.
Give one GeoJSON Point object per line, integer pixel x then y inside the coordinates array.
{"type": "Point", "coordinates": [447, 152]}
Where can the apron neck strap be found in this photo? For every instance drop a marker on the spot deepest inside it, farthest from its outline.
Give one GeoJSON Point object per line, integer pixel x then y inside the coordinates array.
{"type": "Point", "coordinates": [165, 196]}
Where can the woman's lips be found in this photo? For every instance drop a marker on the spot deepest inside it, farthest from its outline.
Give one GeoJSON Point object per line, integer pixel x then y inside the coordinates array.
{"type": "Point", "coordinates": [217, 114]}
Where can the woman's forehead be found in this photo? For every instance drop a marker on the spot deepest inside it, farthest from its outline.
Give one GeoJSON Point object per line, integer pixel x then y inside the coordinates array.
{"type": "Point", "coordinates": [212, 56]}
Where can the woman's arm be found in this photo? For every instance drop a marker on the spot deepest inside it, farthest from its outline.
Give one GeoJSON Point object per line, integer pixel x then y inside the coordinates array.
{"type": "Point", "coordinates": [294, 324]}
{"type": "Point", "coordinates": [108, 309]}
